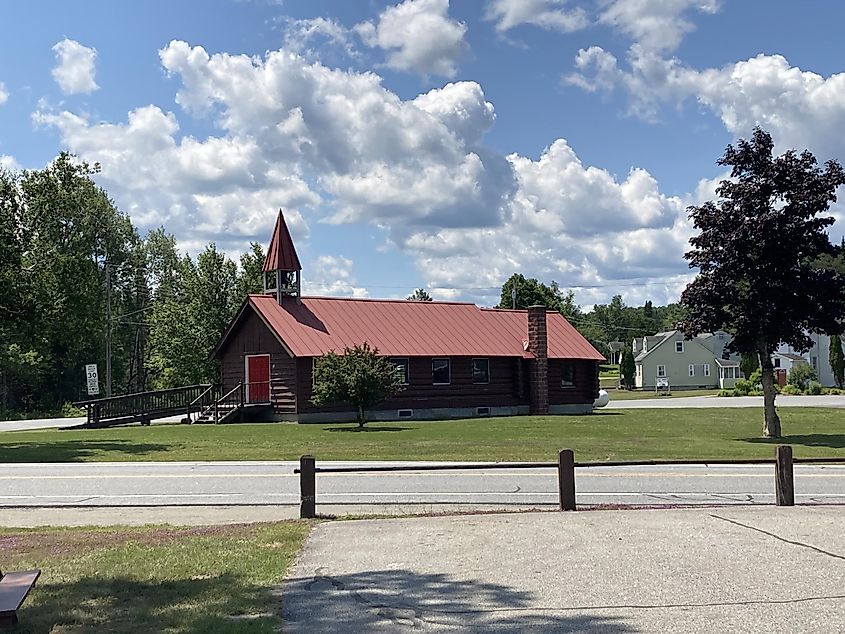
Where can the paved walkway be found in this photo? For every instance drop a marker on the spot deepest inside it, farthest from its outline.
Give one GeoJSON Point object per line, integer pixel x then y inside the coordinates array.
{"type": "Point", "coordinates": [726, 401]}
{"type": "Point", "coordinates": [715, 570]}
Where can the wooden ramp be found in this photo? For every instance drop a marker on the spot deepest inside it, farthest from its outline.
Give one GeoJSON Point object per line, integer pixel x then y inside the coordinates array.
{"type": "Point", "coordinates": [144, 407]}
{"type": "Point", "coordinates": [196, 403]}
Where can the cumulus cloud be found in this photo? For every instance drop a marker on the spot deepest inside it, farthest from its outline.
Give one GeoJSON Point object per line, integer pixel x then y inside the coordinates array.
{"type": "Point", "coordinates": [418, 36]}
{"type": "Point", "coordinates": [220, 189]}
{"type": "Point", "coordinates": [572, 223]}
{"type": "Point", "coordinates": [655, 25]}
{"type": "Point", "coordinates": [331, 275]}
{"type": "Point", "coordinates": [4, 94]}
{"type": "Point", "coordinates": [335, 145]}
{"type": "Point", "coordinates": [547, 14]}
{"type": "Point", "coordinates": [379, 157]}
{"type": "Point", "coordinates": [798, 107]}
{"type": "Point", "coordinates": [75, 68]}
{"type": "Point", "coordinates": [9, 163]}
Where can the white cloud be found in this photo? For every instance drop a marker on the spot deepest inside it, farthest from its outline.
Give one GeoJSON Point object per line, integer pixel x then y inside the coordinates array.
{"type": "Point", "coordinates": [331, 275]}
{"type": "Point", "coordinates": [75, 69]}
{"type": "Point", "coordinates": [418, 36]}
{"type": "Point", "coordinates": [577, 225]}
{"type": "Point", "coordinates": [799, 108]}
{"type": "Point", "coordinates": [656, 25]}
{"type": "Point", "coordinates": [299, 36]}
{"type": "Point", "coordinates": [9, 163]}
{"type": "Point", "coordinates": [313, 138]}
{"type": "Point", "coordinates": [547, 14]}
{"type": "Point", "coordinates": [380, 158]}
{"type": "Point", "coordinates": [4, 94]}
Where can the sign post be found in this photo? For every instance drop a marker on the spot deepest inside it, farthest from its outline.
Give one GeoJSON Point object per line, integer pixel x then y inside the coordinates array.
{"type": "Point", "coordinates": [93, 379]}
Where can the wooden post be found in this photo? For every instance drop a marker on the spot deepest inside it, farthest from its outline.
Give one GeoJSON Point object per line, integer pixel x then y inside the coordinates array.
{"type": "Point", "coordinates": [784, 483]}
{"type": "Point", "coordinates": [566, 479]}
{"type": "Point", "coordinates": [307, 487]}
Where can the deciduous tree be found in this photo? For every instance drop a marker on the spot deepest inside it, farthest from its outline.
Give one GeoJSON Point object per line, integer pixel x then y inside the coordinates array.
{"type": "Point", "coordinates": [755, 252]}
{"type": "Point", "coordinates": [359, 377]}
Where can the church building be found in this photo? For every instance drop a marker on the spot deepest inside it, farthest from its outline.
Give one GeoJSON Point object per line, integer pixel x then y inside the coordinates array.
{"type": "Point", "coordinates": [457, 360]}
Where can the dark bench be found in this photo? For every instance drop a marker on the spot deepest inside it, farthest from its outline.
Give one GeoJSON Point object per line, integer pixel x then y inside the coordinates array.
{"type": "Point", "coordinates": [14, 587]}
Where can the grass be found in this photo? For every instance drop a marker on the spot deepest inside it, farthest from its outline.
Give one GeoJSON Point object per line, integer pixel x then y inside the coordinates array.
{"type": "Point", "coordinates": [628, 395]}
{"type": "Point", "coordinates": [609, 435]}
{"type": "Point", "coordinates": [153, 579]}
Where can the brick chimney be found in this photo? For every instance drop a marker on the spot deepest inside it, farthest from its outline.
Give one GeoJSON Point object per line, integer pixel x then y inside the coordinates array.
{"type": "Point", "coordinates": [538, 345]}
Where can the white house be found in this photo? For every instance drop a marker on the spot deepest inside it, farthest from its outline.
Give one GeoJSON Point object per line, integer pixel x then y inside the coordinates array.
{"type": "Point", "coordinates": [818, 357]}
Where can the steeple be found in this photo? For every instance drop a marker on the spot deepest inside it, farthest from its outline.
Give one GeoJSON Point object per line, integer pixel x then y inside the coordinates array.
{"type": "Point", "coordinates": [281, 266]}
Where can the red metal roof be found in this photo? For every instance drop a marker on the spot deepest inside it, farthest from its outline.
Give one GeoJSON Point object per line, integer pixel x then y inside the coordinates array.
{"type": "Point", "coordinates": [317, 325]}
{"type": "Point", "coordinates": [281, 254]}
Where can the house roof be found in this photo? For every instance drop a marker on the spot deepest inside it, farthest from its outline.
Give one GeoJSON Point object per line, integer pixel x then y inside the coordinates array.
{"type": "Point", "coordinates": [727, 363]}
{"type": "Point", "coordinates": [790, 355]}
{"type": "Point", "coordinates": [281, 254]}
{"type": "Point", "coordinates": [316, 325]}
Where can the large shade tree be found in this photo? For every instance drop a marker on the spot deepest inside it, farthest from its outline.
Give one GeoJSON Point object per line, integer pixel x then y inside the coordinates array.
{"type": "Point", "coordinates": [755, 252]}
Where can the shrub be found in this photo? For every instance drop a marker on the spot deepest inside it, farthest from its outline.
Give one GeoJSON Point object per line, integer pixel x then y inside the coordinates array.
{"type": "Point", "coordinates": [814, 389]}
{"type": "Point", "coordinates": [790, 390]}
{"type": "Point", "coordinates": [756, 377]}
{"type": "Point", "coordinates": [801, 375]}
{"type": "Point", "coordinates": [743, 387]}
{"type": "Point", "coordinates": [727, 393]}
{"type": "Point", "coordinates": [69, 411]}
{"type": "Point", "coordinates": [834, 391]}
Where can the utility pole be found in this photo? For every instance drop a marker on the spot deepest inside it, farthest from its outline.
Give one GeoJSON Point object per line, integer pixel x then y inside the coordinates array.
{"type": "Point", "coordinates": [108, 328]}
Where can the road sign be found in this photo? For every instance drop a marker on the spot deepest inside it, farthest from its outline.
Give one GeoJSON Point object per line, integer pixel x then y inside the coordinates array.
{"type": "Point", "coordinates": [93, 379]}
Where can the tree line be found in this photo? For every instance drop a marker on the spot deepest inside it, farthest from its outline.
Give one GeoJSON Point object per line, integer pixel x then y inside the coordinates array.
{"type": "Point", "coordinates": [614, 321]}
{"type": "Point", "coordinates": [76, 276]}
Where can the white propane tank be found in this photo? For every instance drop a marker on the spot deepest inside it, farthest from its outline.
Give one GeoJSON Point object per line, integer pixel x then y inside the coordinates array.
{"type": "Point", "coordinates": [602, 400]}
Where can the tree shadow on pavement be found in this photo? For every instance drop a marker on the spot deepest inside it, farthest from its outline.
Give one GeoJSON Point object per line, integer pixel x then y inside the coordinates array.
{"type": "Point", "coordinates": [74, 450]}
{"type": "Point", "coordinates": [832, 441]}
{"type": "Point", "coordinates": [402, 600]}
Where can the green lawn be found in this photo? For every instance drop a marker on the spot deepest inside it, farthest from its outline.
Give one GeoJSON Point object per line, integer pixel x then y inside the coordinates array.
{"type": "Point", "coordinates": [609, 435]}
{"type": "Point", "coordinates": [629, 395]}
{"type": "Point", "coordinates": [153, 579]}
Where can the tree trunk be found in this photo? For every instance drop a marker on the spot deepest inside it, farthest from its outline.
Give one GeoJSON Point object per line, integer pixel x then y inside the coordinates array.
{"type": "Point", "coordinates": [361, 419]}
{"type": "Point", "coordinates": [771, 424]}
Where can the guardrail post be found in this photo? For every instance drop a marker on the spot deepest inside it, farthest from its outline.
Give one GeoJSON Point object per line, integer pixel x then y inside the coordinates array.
{"type": "Point", "coordinates": [307, 487]}
{"type": "Point", "coordinates": [784, 482]}
{"type": "Point", "coordinates": [566, 479]}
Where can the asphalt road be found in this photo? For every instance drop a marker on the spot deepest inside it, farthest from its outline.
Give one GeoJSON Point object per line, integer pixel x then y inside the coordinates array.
{"type": "Point", "coordinates": [274, 483]}
{"type": "Point", "coordinates": [749, 569]}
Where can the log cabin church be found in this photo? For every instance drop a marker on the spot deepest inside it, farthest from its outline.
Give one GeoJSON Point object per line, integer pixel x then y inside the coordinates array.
{"type": "Point", "coordinates": [455, 359]}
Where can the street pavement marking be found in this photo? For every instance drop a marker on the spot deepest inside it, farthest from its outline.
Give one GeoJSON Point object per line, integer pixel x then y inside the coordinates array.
{"type": "Point", "coordinates": [412, 474]}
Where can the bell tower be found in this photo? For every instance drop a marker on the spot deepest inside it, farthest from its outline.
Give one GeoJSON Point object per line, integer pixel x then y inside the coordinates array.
{"type": "Point", "coordinates": [282, 270]}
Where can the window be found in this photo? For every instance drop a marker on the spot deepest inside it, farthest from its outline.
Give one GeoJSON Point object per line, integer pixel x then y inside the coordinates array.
{"type": "Point", "coordinates": [481, 370]}
{"type": "Point", "coordinates": [691, 369]}
{"type": "Point", "coordinates": [405, 413]}
{"type": "Point", "coordinates": [706, 369]}
{"type": "Point", "coordinates": [401, 369]}
{"type": "Point", "coordinates": [679, 347]}
{"type": "Point", "coordinates": [776, 362]}
{"type": "Point", "coordinates": [440, 372]}
{"type": "Point", "coordinates": [639, 370]}
{"type": "Point", "coordinates": [661, 371]}
{"type": "Point", "coordinates": [814, 361]}
{"type": "Point", "coordinates": [482, 411]}
{"type": "Point", "coordinates": [567, 375]}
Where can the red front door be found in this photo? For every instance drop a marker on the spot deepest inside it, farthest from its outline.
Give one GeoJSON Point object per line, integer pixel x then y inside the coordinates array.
{"type": "Point", "coordinates": [258, 378]}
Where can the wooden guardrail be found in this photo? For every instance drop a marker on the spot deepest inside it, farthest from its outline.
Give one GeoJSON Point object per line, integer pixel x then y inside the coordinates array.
{"type": "Point", "coordinates": [565, 465]}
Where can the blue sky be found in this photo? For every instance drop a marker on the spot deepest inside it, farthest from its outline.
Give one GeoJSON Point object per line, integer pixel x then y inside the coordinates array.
{"type": "Point", "coordinates": [425, 143]}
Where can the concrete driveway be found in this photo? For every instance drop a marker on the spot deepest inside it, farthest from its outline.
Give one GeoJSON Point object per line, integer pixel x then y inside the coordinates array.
{"type": "Point", "coordinates": [716, 570]}
{"type": "Point", "coordinates": [726, 401]}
